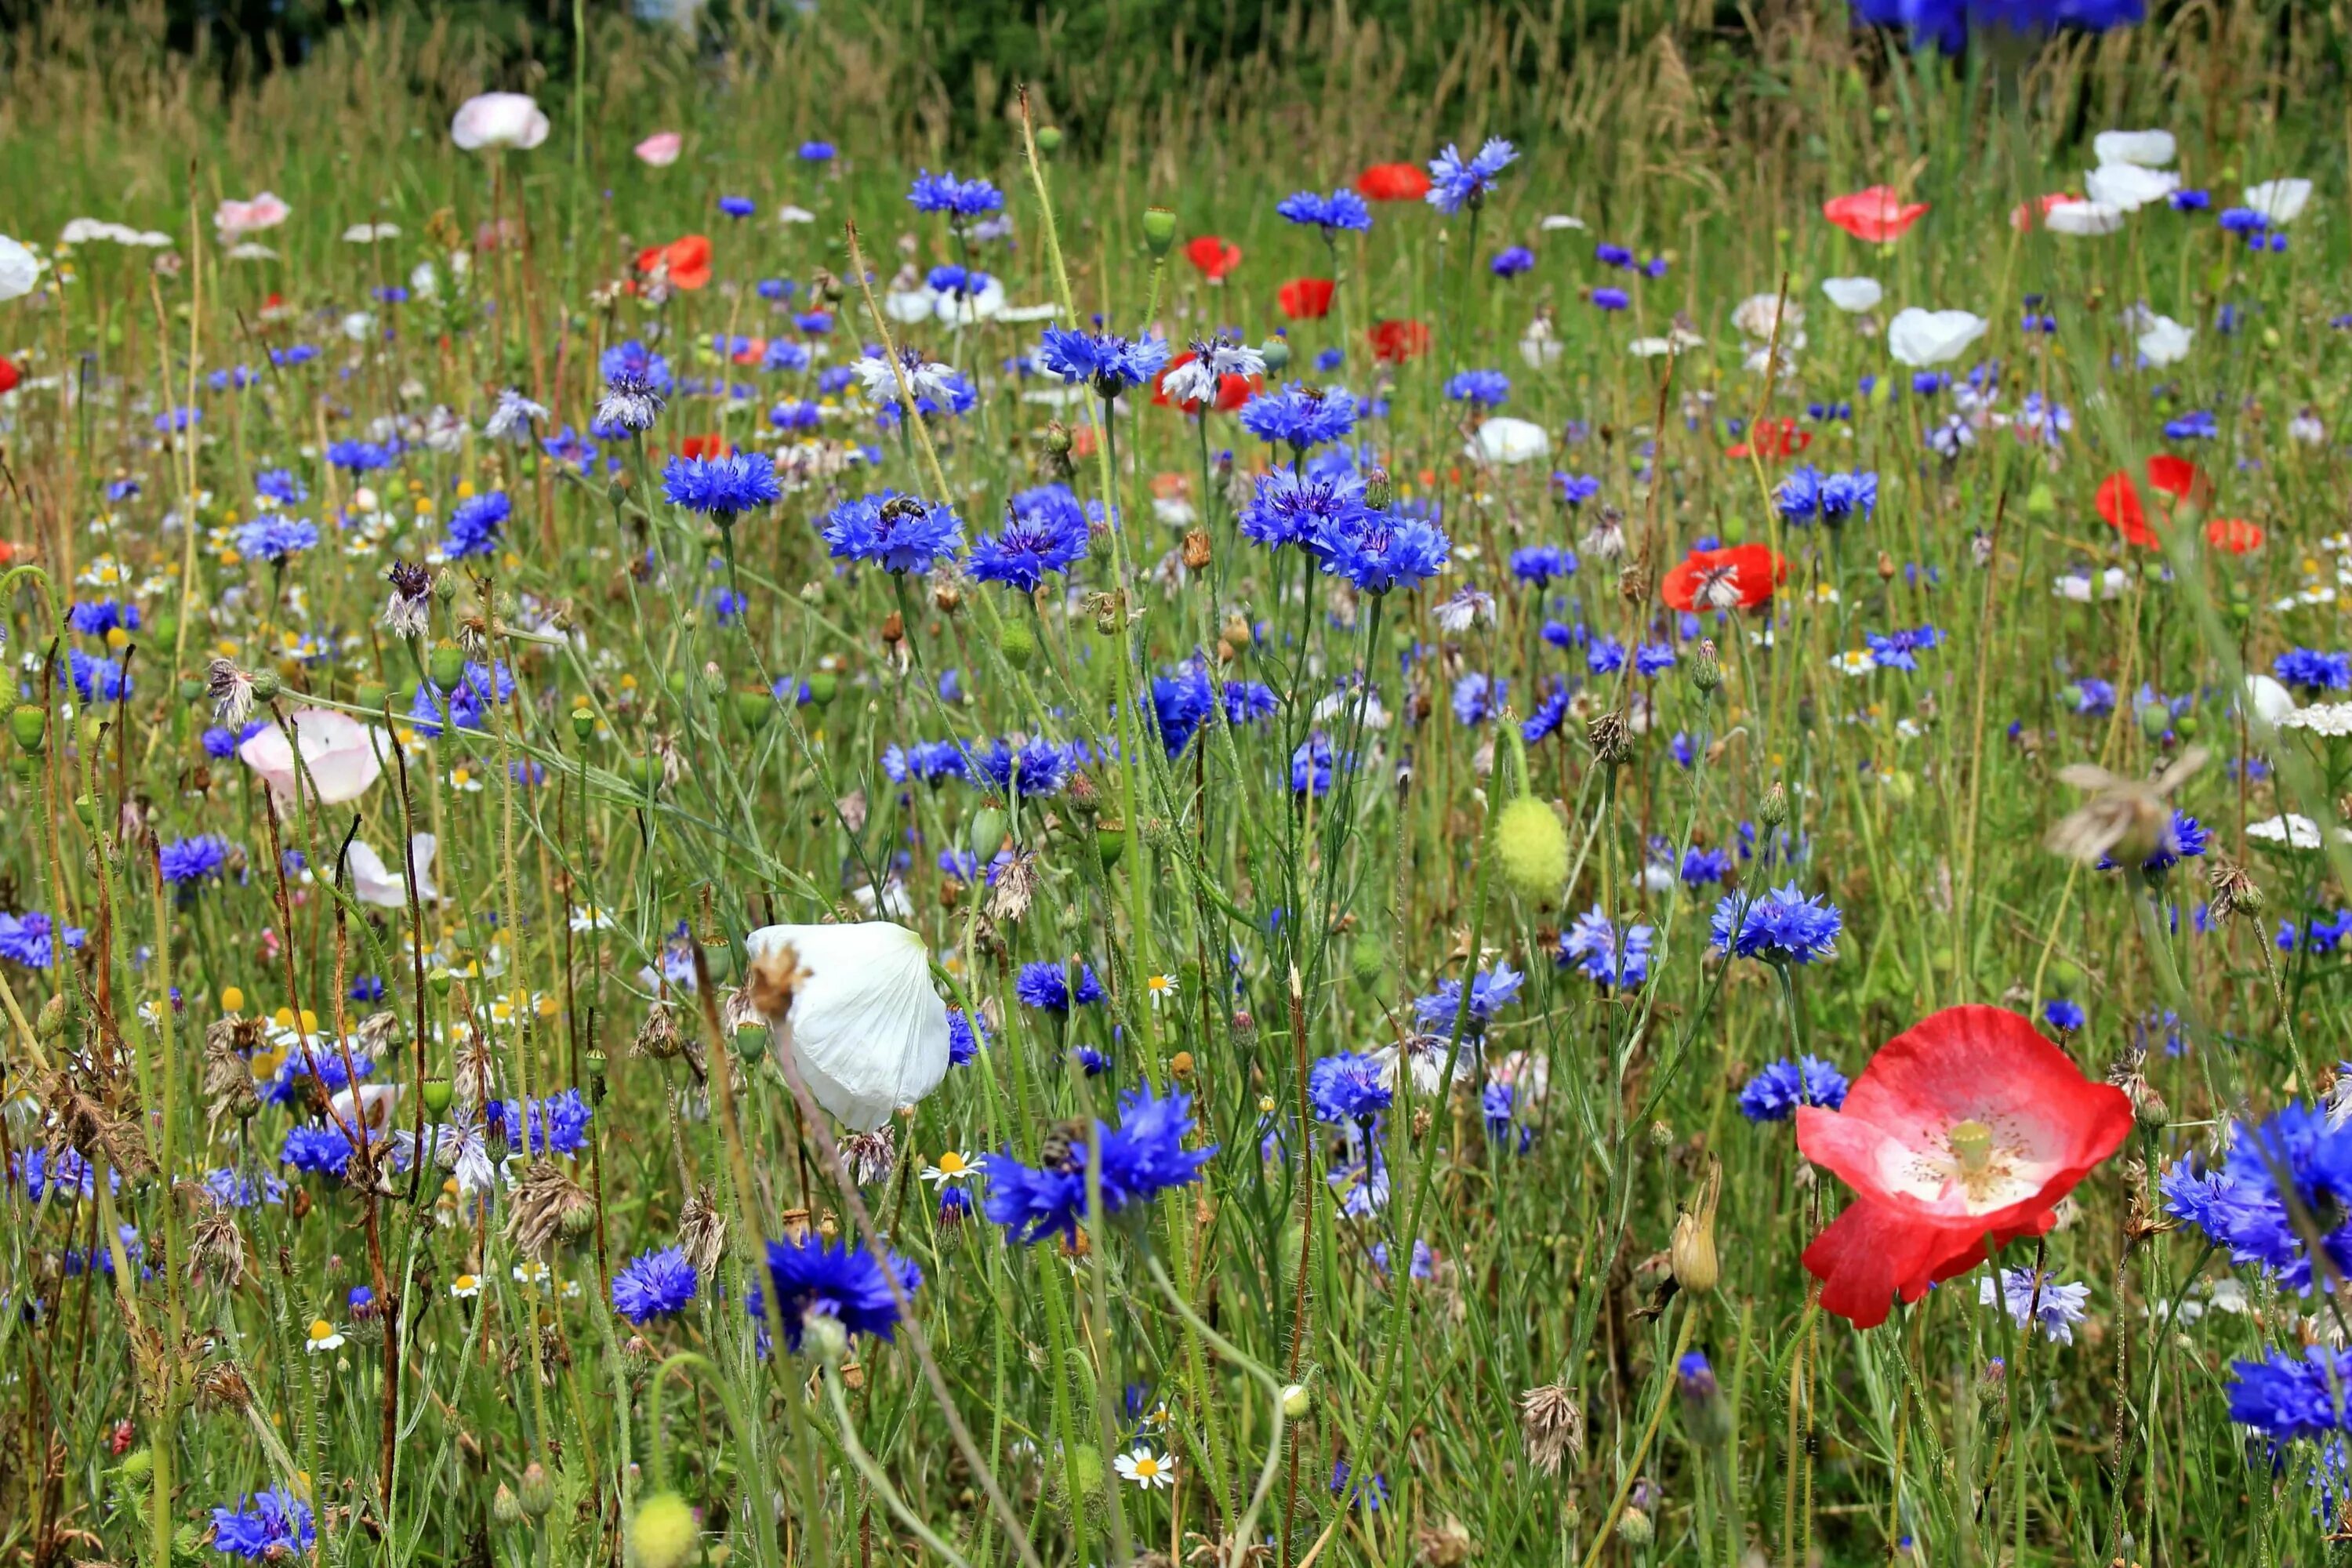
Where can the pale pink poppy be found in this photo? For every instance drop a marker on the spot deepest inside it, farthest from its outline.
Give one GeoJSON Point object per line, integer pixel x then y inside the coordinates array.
{"type": "Point", "coordinates": [236, 219]}
{"type": "Point", "coordinates": [661, 149]}
{"type": "Point", "coordinates": [340, 755]}
{"type": "Point", "coordinates": [499, 119]}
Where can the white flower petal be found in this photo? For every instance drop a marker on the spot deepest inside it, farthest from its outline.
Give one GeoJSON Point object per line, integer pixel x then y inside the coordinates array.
{"type": "Point", "coordinates": [2148, 149]}
{"type": "Point", "coordinates": [1853, 295]}
{"type": "Point", "coordinates": [2281, 201]}
{"type": "Point", "coordinates": [867, 1030]}
{"type": "Point", "coordinates": [1919, 338]}
{"type": "Point", "coordinates": [2129, 186]}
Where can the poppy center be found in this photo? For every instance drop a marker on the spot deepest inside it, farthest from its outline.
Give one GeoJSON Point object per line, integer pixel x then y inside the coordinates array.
{"type": "Point", "coordinates": [1971, 1143]}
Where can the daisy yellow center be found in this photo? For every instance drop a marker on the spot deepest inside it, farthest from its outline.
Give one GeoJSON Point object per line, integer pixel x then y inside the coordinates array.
{"type": "Point", "coordinates": [952, 1163]}
{"type": "Point", "coordinates": [320, 1328]}
{"type": "Point", "coordinates": [1147, 1467]}
{"type": "Point", "coordinates": [465, 1281]}
{"type": "Point", "coordinates": [1163, 982]}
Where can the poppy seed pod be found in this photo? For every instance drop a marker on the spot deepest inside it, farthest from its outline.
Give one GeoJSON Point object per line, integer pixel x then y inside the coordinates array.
{"type": "Point", "coordinates": [1049, 139]}
{"type": "Point", "coordinates": [1159, 230]}
{"type": "Point", "coordinates": [446, 664]}
{"type": "Point", "coordinates": [1018, 644]}
{"type": "Point", "coordinates": [438, 1093]}
{"type": "Point", "coordinates": [1275, 352]}
{"type": "Point", "coordinates": [30, 727]}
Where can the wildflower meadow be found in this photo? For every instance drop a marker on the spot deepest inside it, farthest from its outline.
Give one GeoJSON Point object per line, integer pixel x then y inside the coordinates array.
{"type": "Point", "coordinates": [806, 789]}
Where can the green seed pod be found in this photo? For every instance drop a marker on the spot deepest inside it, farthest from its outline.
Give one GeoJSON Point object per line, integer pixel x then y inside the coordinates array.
{"type": "Point", "coordinates": [266, 686]}
{"type": "Point", "coordinates": [1159, 230]}
{"type": "Point", "coordinates": [644, 773]}
{"type": "Point", "coordinates": [446, 665]}
{"type": "Point", "coordinates": [2155, 719]}
{"type": "Point", "coordinates": [1018, 644]}
{"type": "Point", "coordinates": [665, 1532]}
{"type": "Point", "coordinates": [191, 690]}
{"type": "Point", "coordinates": [1049, 139]}
{"type": "Point", "coordinates": [30, 726]}
{"type": "Point", "coordinates": [824, 687]}
{"type": "Point", "coordinates": [371, 695]}
{"type": "Point", "coordinates": [505, 1507]}
{"type": "Point", "coordinates": [166, 629]}
{"type": "Point", "coordinates": [1275, 352]}
{"type": "Point", "coordinates": [753, 707]}
{"type": "Point", "coordinates": [438, 1093]}
{"type": "Point", "coordinates": [1368, 960]}
{"type": "Point", "coordinates": [986, 835]}
{"type": "Point", "coordinates": [583, 723]}
{"type": "Point", "coordinates": [538, 1489]}
{"type": "Point", "coordinates": [1531, 848]}
{"type": "Point", "coordinates": [1111, 842]}
{"type": "Point", "coordinates": [749, 1044]}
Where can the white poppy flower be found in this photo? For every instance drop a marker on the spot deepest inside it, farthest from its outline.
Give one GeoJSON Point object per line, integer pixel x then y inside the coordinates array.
{"type": "Point", "coordinates": [2164, 340]}
{"type": "Point", "coordinates": [1920, 338]}
{"type": "Point", "coordinates": [867, 1030]}
{"type": "Point", "coordinates": [369, 233]}
{"type": "Point", "coordinates": [2281, 201]}
{"type": "Point", "coordinates": [368, 1105]}
{"type": "Point", "coordinates": [251, 250]}
{"type": "Point", "coordinates": [1558, 221]}
{"type": "Point", "coordinates": [499, 119]}
{"type": "Point", "coordinates": [2083, 220]}
{"type": "Point", "coordinates": [2148, 149]}
{"type": "Point", "coordinates": [2291, 831]}
{"type": "Point", "coordinates": [373, 882]}
{"type": "Point", "coordinates": [958, 310]}
{"type": "Point", "coordinates": [359, 325]}
{"type": "Point", "coordinates": [1754, 316]}
{"type": "Point", "coordinates": [19, 268]}
{"type": "Point", "coordinates": [1510, 441]}
{"type": "Point", "coordinates": [1029, 313]}
{"type": "Point", "coordinates": [2266, 703]}
{"type": "Point", "coordinates": [909, 305]}
{"type": "Point", "coordinates": [237, 219]}
{"type": "Point", "coordinates": [2129, 186]}
{"type": "Point", "coordinates": [340, 756]}
{"type": "Point", "coordinates": [1539, 346]}
{"type": "Point", "coordinates": [1853, 295]}
{"type": "Point", "coordinates": [794, 215]}
{"type": "Point", "coordinates": [1649, 348]}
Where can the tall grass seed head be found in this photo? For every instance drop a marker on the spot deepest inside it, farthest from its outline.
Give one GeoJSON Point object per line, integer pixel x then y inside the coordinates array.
{"type": "Point", "coordinates": [1531, 847]}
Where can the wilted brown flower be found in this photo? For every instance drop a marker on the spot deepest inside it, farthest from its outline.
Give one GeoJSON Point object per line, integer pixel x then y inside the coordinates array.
{"type": "Point", "coordinates": [2126, 814]}
{"type": "Point", "coordinates": [1552, 1423]}
{"type": "Point", "coordinates": [546, 1202]}
{"type": "Point", "coordinates": [702, 1231]}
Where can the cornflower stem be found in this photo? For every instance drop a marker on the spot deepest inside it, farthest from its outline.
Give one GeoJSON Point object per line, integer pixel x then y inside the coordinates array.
{"type": "Point", "coordinates": [1649, 1436]}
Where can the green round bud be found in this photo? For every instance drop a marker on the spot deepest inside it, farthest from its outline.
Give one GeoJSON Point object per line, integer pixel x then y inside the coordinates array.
{"type": "Point", "coordinates": [644, 773]}
{"type": "Point", "coordinates": [1531, 848]}
{"type": "Point", "coordinates": [30, 727]}
{"type": "Point", "coordinates": [676, 680]}
{"type": "Point", "coordinates": [538, 1487]}
{"type": "Point", "coordinates": [1379, 489]}
{"type": "Point", "coordinates": [665, 1532]}
{"type": "Point", "coordinates": [371, 695]}
{"type": "Point", "coordinates": [266, 686]}
{"type": "Point", "coordinates": [2186, 726]}
{"type": "Point", "coordinates": [753, 709]}
{"type": "Point", "coordinates": [1368, 960]}
{"type": "Point", "coordinates": [1635, 1528]}
{"type": "Point", "coordinates": [166, 629]}
{"type": "Point", "coordinates": [1275, 352]}
{"type": "Point", "coordinates": [2041, 501]}
{"type": "Point", "coordinates": [583, 723]}
{"type": "Point", "coordinates": [1773, 809]}
{"type": "Point", "coordinates": [2065, 976]}
{"type": "Point", "coordinates": [1049, 139]}
{"type": "Point", "coordinates": [446, 664]}
{"type": "Point", "coordinates": [1159, 230]}
{"type": "Point", "coordinates": [824, 687]}
{"type": "Point", "coordinates": [1735, 529]}
{"type": "Point", "coordinates": [749, 1044]}
{"type": "Point", "coordinates": [1111, 843]}
{"type": "Point", "coordinates": [441, 980]}
{"type": "Point", "coordinates": [191, 689]}
{"type": "Point", "coordinates": [986, 833]}
{"type": "Point", "coordinates": [1018, 644]}
{"type": "Point", "coordinates": [2155, 719]}
{"type": "Point", "coordinates": [138, 1464]}
{"type": "Point", "coordinates": [438, 1094]}
{"type": "Point", "coordinates": [505, 1507]}
{"type": "Point", "coordinates": [1295, 1402]}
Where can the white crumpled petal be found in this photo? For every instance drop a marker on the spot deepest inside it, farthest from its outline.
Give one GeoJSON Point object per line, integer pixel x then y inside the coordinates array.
{"type": "Point", "coordinates": [910, 305]}
{"type": "Point", "coordinates": [19, 270]}
{"type": "Point", "coordinates": [2148, 149]}
{"type": "Point", "coordinates": [2165, 341]}
{"type": "Point", "coordinates": [2129, 186]}
{"type": "Point", "coordinates": [866, 1029]}
{"type": "Point", "coordinates": [1920, 338]}
{"type": "Point", "coordinates": [499, 119]}
{"type": "Point", "coordinates": [2083, 220]}
{"type": "Point", "coordinates": [373, 882]}
{"type": "Point", "coordinates": [342, 756]}
{"type": "Point", "coordinates": [1853, 295]}
{"type": "Point", "coordinates": [2281, 201]}
{"type": "Point", "coordinates": [1508, 440]}
{"type": "Point", "coordinates": [2266, 703]}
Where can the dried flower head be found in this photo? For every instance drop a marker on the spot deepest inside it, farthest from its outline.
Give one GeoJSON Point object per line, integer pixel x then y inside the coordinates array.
{"type": "Point", "coordinates": [1552, 1423]}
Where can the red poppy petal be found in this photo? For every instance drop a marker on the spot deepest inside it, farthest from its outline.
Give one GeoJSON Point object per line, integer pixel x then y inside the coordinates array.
{"type": "Point", "coordinates": [1868, 1257]}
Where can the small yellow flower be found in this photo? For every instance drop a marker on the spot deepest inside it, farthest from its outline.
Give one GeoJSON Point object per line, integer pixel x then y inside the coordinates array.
{"type": "Point", "coordinates": [232, 999]}
{"type": "Point", "coordinates": [466, 1287]}
{"type": "Point", "coordinates": [324, 1336]}
{"type": "Point", "coordinates": [1159, 987]}
{"type": "Point", "coordinates": [1146, 1468]}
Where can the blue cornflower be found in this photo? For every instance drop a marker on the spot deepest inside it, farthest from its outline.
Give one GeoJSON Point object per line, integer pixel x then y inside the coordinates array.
{"type": "Point", "coordinates": [1180, 703]}
{"type": "Point", "coordinates": [1539, 563]}
{"type": "Point", "coordinates": [237, 1189]}
{"type": "Point", "coordinates": [569, 448]}
{"type": "Point", "coordinates": [1343, 209]}
{"type": "Point", "coordinates": [958, 198]}
{"type": "Point", "coordinates": [738, 206]}
{"type": "Point", "coordinates": [1774, 1094]}
{"type": "Point", "coordinates": [1290, 508]}
{"type": "Point", "coordinates": [281, 486]}
{"type": "Point", "coordinates": [277, 1526]}
{"type": "Point", "coordinates": [1783, 926]}
{"type": "Point", "coordinates": [2197, 425]}
{"type": "Point", "coordinates": [28, 939]}
{"type": "Point", "coordinates": [631, 358]}
{"type": "Point", "coordinates": [1105, 361]}
{"type": "Point", "coordinates": [2243, 220]}
{"type": "Point", "coordinates": [193, 859]}
{"type": "Point", "coordinates": [2287, 1397]}
{"type": "Point", "coordinates": [1799, 495]}
{"type": "Point", "coordinates": [1604, 655]}
{"type": "Point", "coordinates": [1032, 770]}
{"type": "Point", "coordinates": [2240, 1206]}
{"type": "Point", "coordinates": [2312, 672]}
{"type": "Point", "coordinates": [1701, 867]}
{"type": "Point", "coordinates": [1576, 488]}
{"type": "Point", "coordinates": [273, 538]}
{"type": "Point", "coordinates": [1250, 701]}
{"type": "Point", "coordinates": [654, 1285]}
{"type": "Point", "coordinates": [321, 1149]}
{"type": "Point", "coordinates": [96, 680]}
{"type": "Point", "coordinates": [1592, 945]}
{"type": "Point", "coordinates": [1612, 300]}
{"type": "Point", "coordinates": [963, 1040]}
{"type": "Point", "coordinates": [815, 1277]}
{"type": "Point", "coordinates": [1046, 985]}
{"type": "Point", "coordinates": [95, 619]}
{"type": "Point", "coordinates": [1479, 388]}
{"type": "Point", "coordinates": [1947, 22]}
{"type": "Point", "coordinates": [895, 532]}
{"type": "Point", "coordinates": [1549, 714]}
{"type": "Point", "coordinates": [1347, 1086]}
{"type": "Point", "coordinates": [2183, 837]}
{"type": "Point", "coordinates": [1311, 765]}
{"type": "Point", "coordinates": [1490, 992]}
{"type": "Point", "coordinates": [464, 705]}
{"type": "Point", "coordinates": [815, 152]}
{"type": "Point", "coordinates": [725, 487]}
{"type": "Point", "coordinates": [1380, 551]}
{"type": "Point", "coordinates": [1044, 531]}
{"type": "Point", "coordinates": [1512, 261]}
{"type": "Point", "coordinates": [1137, 1160]}
{"type": "Point", "coordinates": [1477, 698]}
{"type": "Point", "coordinates": [1899, 649]}
{"type": "Point", "coordinates": [359, 457]}
{"type": "Point", "coordinates": [1654, 658]}
{"type": "Point", "coordinates": [2190, 201]}
{"type": "Point", "coordinates": [1618, 256]}
{"type": "Point", "coordinates": [557, 1122]}
{"type": "Point", "coordinates": [1457, 182]}
{"type": "Point", "coordinates": [1843, 495]}
{"type": "Point", "coordinates": [2064, 1015]}
{"type": "Point", "coordinates": [1300, 415]}
{"type": "Point", "coordinates": [473, 525]}
{"type": "Point", "coordinates": [931, 762]}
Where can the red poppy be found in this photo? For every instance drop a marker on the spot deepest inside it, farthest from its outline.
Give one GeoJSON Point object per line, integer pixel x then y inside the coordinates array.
{"type": "Point", "coordinates": [1773, 439]}
{"type": "Point", "coordinates": [1967, 1124]}
{"type": "Point", "coordinates": [1741, 577]}
{"type": "Point", "coordinates": [687, 259]}
{"type": "Point", "coordinates": [2173, 479]}
{"type": "Point", "coordinates": [1306, 299]}
{"type": "Point", "coordinates": [2024, 214]}
{"type": "Point", "coordinates": [2235, 536]}
{"type": "Point", "coordinates": [1213, 256]}
{"type": "Point", "coordinates": [691, 447]}
{"type": "Point", "coordinates": [1232, 391]}
{"type": "Point", "coordinates": [1878, 215]}
{"type": "Point", "coordinates": [1394, 183]}
{"type": "Point", "coordinates": [1397, 342]}
{"type": "Point", "coordinates": [753, 351]}
{"type": "Point", "coordinates": [9, 375]}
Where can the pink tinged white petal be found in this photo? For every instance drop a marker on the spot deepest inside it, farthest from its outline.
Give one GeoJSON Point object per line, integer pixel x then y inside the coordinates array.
{"type": "Point", "coordinates": [2148, 149]}
{"type": "Point", "coordinates": [499, 119]}
{"type": "Point", "coordinates": [661, 149]}
{"type": "Point", "coordinates": [341, 757]}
